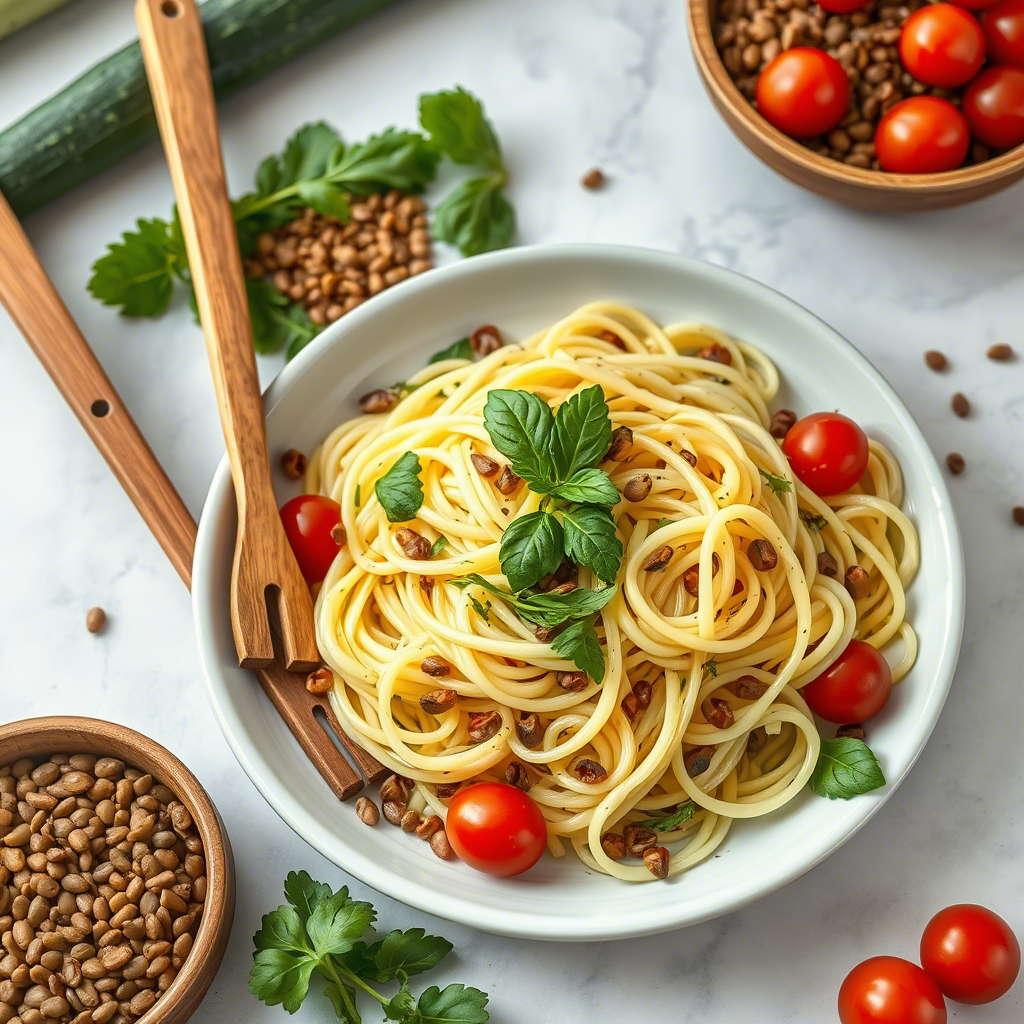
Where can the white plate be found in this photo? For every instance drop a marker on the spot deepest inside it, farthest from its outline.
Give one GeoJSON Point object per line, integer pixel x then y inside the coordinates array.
{"type": "Point", "coordinates": [522, 290]}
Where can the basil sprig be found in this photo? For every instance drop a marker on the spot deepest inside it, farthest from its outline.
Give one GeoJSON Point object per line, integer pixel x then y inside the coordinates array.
{"type": "Point", "coordinates": [400, 490]}
{"type": "Point", "coordinates": [846, 768]}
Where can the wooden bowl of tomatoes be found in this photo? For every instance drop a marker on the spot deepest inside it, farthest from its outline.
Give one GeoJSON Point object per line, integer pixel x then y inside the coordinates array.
{"type": "Point", "coordinates": [976, 46]}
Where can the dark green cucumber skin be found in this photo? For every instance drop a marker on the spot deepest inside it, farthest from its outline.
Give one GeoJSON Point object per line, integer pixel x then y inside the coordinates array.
{"type": "Point", "coordinates": [107, 113]}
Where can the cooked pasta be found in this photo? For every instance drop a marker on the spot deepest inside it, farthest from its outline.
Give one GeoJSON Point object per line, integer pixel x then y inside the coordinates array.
{"type": "Point", "coordinates": [706, 643]}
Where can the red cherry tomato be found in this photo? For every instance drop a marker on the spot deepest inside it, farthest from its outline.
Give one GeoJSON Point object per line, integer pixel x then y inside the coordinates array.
{"type": "Point", "coordinates": [973, 5]}
{"type": "Point", "coordinates": [994, 107]}
{"type": "Point", "coordinates": [308, 521]}
{"type": "Point", "coordinates": [942, 45]}
{"type": "Point", "coordinates": [803, 92]}
{"type": "Point", "coordinates": [889, 990]}
{"type": "Point", "coordinates": [844, 6]}
{"type": "Point", "coordinates": [971, 953]}
{"type": "Point", "coordinates": [1003, 25]}
{"type": "Point", "coordinates": [828, 452]}
{"type": "Point", "coordinates": [922, 135]}
{"type": "Point", "coordinates": [496, 828]}
{"type": "Point", "coordinates": [853, 688]}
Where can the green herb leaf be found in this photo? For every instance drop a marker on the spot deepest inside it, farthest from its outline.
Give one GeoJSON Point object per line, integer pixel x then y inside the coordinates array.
{"type": "Point", "coordinates": [438, 546]}
{"type": "Point", "coordinates": [393, 159]}
{"type": "Point", "coordinates": [337, 922]}
{"type": "Point", "coordinates": [400, 490]}
{"type": "Point", "coordinates": [778, 484]}
{"type": "Point", "coordinates": [461, 349]}
{"type": "Point", "coordinates": [282, 929]}
{"type": "Point", "coordinates": [663, 522]}
{"type": "Point", "coordinates": [324, 197]}
{"type": "Point", "coordinates": [138, 272]}
{"type": "Point", "coordinates": [520, 425]}
{"type": "Point", "coordinates": [281, 977]}
{"type": "Point", "coordinates": [546, 609]}
{"type": "Point", "coordinates": [359, 495]}
{"type": "Point", "coordinates": [579, 644]}
{"type": "Point", "coordinates": [306, 155]}
{"type": "Point", "coordinates": [812, 521]}
{"type": "Point", "coordinates": [304, 894]}
{"type": "Point", "coordinates": [682, 814]}
{"type": "Point", "coordinates": [710, 670]}
{"type": "Point", "coordinates": [475, 217]}
{"type": "Point", "coordinates": [402, 1006]}
{"type": "Point", "coordinates": [589, 487]}
{"type": "Point", "coordinates": [276, 321]}
{"type": "Point", "coordinates": [483, 612]}
{"type": "Point", "coordinates": [457, 1004]}
{"type": "Point", "coordinates": [846, 768]}
{"type": "Point", "coordinates": [590, 540]}
{"type": "Point", "coordinates": [583, 432]}
{"type": "Point", "coordinates": [457, 126]}
{"type": "Point", "coordinates": [410, 951]}
{"type": "Point", "coordinates": [531, 548]}
{"type": "Point", "coordinates": [344, 1005]}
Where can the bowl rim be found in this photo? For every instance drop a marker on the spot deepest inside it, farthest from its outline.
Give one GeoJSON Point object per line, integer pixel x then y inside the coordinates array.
{"type": "Point", "coordinates": [50, 735]}
{"type": "Point", "coordinates": [726, 92]}
{"type": "Point", "coordinates": [508, 920]}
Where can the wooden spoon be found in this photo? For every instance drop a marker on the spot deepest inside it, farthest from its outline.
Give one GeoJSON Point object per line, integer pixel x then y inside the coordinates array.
{"type": "Point", "coordinates": [37, 309]}
{"type": "Point", "coordinates": [174, 54]}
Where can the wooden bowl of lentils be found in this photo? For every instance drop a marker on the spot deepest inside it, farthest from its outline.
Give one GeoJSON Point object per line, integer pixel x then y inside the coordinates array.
{"type": "Point", "coordinates": [735, 41]}
{"type": "Point", "coordinates": [116, 878]}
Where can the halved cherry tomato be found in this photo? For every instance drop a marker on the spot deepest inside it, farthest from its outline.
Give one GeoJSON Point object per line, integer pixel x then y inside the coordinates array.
{"type": "Point", "coordinates": [994, 107]}
{"type": "Point", "coordinates": [1003, 25]}
{"type": "Point", "coordinates": [844, 6]}
{"type": "Point", "coordinates": [308, 522]}
{"type": "Point", "coordinates": [828, 452]}
{"type": "Point", "coordinates": [496, 828]}
{"type": "Point", "coordinates": [854, 688]}
{"type": "Point", "coordinates": [803, 92]}
{"type": "Point", "coordinates": [922, 135]}
{"type": "Point", "coordinates": [971, 953]}
{"type": "Point", "coordinates": [890, 990]}
{"type": "Point", "coordinates": [942, 45]}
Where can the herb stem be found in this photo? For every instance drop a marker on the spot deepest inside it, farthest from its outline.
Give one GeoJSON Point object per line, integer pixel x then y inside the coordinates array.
{"type": "Point", "coordinates": [341, 971]}
{"type": "Point", "coordinates": [350, 1006]}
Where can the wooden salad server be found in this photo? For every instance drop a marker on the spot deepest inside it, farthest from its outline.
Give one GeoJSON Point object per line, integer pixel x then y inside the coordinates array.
{"type": "Point", "coordinates": [174, 54]}
{"type": "Point", "coordinates": [37, 309]}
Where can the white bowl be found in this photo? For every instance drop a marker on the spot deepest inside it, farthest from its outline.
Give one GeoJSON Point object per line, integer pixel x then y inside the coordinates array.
{"type": "Point", "coordinates": [522, 290]}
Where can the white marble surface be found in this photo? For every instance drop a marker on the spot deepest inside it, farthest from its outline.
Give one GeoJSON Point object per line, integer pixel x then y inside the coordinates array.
{"type": "Point", "coordinates": [570, 84]}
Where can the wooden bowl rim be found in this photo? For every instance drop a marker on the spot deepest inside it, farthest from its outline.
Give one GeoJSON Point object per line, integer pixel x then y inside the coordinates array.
{"type": "Point", "coordinates": [717, 77]}
{"type": "Point", "coordinates": [48, 735]}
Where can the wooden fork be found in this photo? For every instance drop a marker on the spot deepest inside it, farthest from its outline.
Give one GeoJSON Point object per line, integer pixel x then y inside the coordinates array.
{"type": "Point", "coordinates": [37, 309]}
{"type": "Point", "coordinates": [174, 54]}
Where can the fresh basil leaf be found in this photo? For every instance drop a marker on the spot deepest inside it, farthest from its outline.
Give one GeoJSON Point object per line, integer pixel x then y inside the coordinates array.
{"type": "Point", "coordinates": [589, 487]}
{"type": "Point", "coordinates": [475, 217]}
{"type": "Point", "coordinates": [846, 768]}
{"type": "Point", "coordinates": [400, 490]}
{"type": "Point", "coordinates": [281, 977]}
{"type": "Point", "coordinates": [282, 929]}
{"type": "Point", "coordinates": [337, 922]}
{"type": "Point", "coordinates": [520, 425]}
{"type": "Point", "coordinates": [579, 644]}
{"type": "Point", "coordinates": [457, 1004]}
{"type": "Point", "coordinates": [303, 893]}
{"type": "Point", "coordinates": [583, 432]}
{"type": "Point", "coordinates": [457, 126]}
{"type": "Point", "coordinates": [778, 484]}
{"type": "Point", "coordinates": [682, 814]}
{"type": "Point", "coordinates": [138, 272]}
{"type": "Point", "coordinates": [554, 609]}
{"type": "Point", "coordinates": [410, 951]}
{"type": "Point", "coordinates": [461, 349]}
{"type": "Point", "coordinates": [531, 548]}
{"type": "Point", "coordinates": [590, 540]}
{"type": "Point", "coordinates": [438, 546]}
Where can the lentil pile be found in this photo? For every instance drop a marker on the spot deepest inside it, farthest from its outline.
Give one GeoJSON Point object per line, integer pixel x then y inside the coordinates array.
{"type": "Point", "coordinates": [331, 267]}
{"type": "Point", "coordinates": [102, 885]}
{"type": "Point", "coordinates": [749, 34]}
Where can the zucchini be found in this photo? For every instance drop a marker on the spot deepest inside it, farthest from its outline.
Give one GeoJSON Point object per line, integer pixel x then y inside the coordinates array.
{"type": "Point", "coordinates": [107, 113]}
{"type": "Point", "coordinates": [15, 14]}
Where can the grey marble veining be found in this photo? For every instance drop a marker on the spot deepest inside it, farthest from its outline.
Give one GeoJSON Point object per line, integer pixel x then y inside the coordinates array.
{"type": "Point", "coordinates": [570, 84]}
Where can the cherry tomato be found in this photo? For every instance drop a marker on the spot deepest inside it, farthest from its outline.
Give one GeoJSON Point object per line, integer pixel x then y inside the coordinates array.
{"type": "Point", "coordinates": [971, 953]}
{"type": "Point", "coordinates": [994, 107]}
{"type": "Point", "coordinates": [828, 452]}
{"type": "Point", "coordinates": [496, 828]}
{"type": "Point", "coordinates": [922, 135]}
{"type": "Point", "coordinates": [1003, 26]}
{"type": "Point", "coordinates": [853, 688]}
{"type": "Point", "coordinates": [942, 45]}
{"type": "Point", "coordinates": [889, 990]}
{"type": "Point", "coordinates": [973, 5]}
{"type": "Point", "coordinates": [844, 6]}
{"type": "Point", "coordinates": [803, 92]}
{"type": "Point", "coordinates": [308, 522]}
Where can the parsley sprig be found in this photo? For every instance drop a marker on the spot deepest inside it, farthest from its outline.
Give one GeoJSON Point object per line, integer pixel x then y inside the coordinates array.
{"type": "Point", "coordinates": [320, 932]}
{"type": "Point", "coordinates": [777, 484]}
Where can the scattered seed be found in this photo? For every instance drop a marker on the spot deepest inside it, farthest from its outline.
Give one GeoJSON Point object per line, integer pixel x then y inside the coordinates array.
{"type": "Point", "coordinates": [413, 544]}
{"type": "Point", "coordinates": [698, 760]}
{"type": "Point", "coordinates": [320, 680]}
{"type": "Point", "coordinates": [530, 731]}
{"type": "Point", "coordinates": [960, 405]}
{"type": "Point", "coordinates": [95, 619]}
{"type": "Point", "coordinates": [517, 775]}
{"type": "Point", "coordinates": [936, 361]}
{"type": "Point", "coordinates": [409, 821]}
{"type": "Point", "coordinates": [338, 534]}
{"type": "Point", "coordinates": [756, 740]}
{"type": "Point", "coordinates": [435, 666]}
{"type": "Point", "coordinates": [748, 688]}
{"type": "Point", "coordinates": [622, 442]}
{"type": "Point", "coordinates": [486, 339]}
{"type": "Point", "coordinates": [293, 464]}
{"type": "Point", "coordinates": [658, 559]}
{"type": "Point", "coordinates": [441, 846]}
{"type": "Point", "coordinates": [857, 582]}
{"type": "Point", "coordinates": [827, 565]}
{"type": "Point", "coordinates": [590, 771]}
{"type": "Point", "coordinates": [593, 179]}
{"type": "Point", "coordinates": [717, 712]}
{"type": "Point", "coordinates": [716, 353]}
{"type": "Point", "coordinates": [484, 725]}
{"type": "Point", "coordinates": [638, 700]}
{"type": "Point", "coordinates": [656, 860]}
{"type": "Point", "coordinates": [955, 462]}
{"type": "Point", "coordinates": [574, 682]}
{"type": "Point", "coordinates": [484, 465]}
{"type": "Point", "coordinates": [428, 827]}
{"type": "Point", "coordinates": [446, 790]}
{"type": "Point", "coordinates": [638, 839]}
{"type": "Point", "coordinates": [638, 487]}
{"type": "Point", "coordinates": [377, 401]}
{"type": "Point", "coordinates": [1000, 353]}
{"type": "Point", "coordinates": [508, 481]}
{"type": "Point", "coordinates": [854, 731]}
{"type": "Point", "coordinates": [394, 811]}
{"type": "Point", "coordinates": [781, 423]}
{"type": "Point", "coordinates": [437, 702]}
{"type": "Point", "coordinates": [393, 789]}
{"type": "Point", "coordinates": [1018, 515]}
{"type": "Point", "coordinates": [613, 845]}
{"type": "Point", "coordinates": [762, 554]}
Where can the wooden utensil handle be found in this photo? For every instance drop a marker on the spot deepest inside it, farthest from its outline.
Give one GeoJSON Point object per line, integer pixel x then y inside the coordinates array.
{"type": "Point", "coordinates": [42, 317]}
{"type": "Point", "coordinates": [174, 51]}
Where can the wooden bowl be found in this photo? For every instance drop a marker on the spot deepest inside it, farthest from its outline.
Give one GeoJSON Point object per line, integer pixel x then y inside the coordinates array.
{"type": "Point", "coordinates": [868, 190]}
{"type": "Point", "coordinates": [41, 737]}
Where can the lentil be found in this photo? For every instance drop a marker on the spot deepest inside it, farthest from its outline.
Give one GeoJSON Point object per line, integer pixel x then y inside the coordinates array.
{"type": "Point", "coordinates": [293, 464]}
{"type": "Point", "coordinates": [959, 404]}
{"type": "Point", "coordinates": [936, 361]}
{"type": "Point", "coordinates": [95, 619]}
{"type": "Point", "coordinates": [956, 463]}
{"type": "Point", "coordinates": [593, 179]}
{"type": "Point", "coordinates": [1000, 353]}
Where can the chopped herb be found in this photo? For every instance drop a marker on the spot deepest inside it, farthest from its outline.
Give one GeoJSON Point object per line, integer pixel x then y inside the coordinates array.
{"type": "Point", "coordinates": [460, 349]}
{"type": "Point", "coordinates": [359, 495]}
{"type": "Point", "coordinates": [682, 814]}
{"type": "Point", "coordinates": [403, 388]}
{"type": "Point", "coordinates": [663, 522]}
{"type": "Point", "coordinates": [813, 522]}
{"type": "Point", "coordinates": [778, 484]}
{"type": "Point", "coordinates": [484, 613]}
{"type": "Point", "coordinates": [710, 670]}
{"type": "Point", "coordinates": [438, 546]}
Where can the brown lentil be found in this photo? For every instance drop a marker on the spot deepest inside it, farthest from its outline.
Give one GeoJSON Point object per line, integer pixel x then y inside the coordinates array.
{"type": "Point", "coordinates": [748, 688]}
{"type": "Point", "coordinates": [656, 860]}
{"type": "Point", "coordinates": [1000, 353]}
{"type": "Point", "coordinates": [435, 666]}
{"type": "Point", "coordinates": [959, 404]}
{"type": "Point", "coordinates": [853, 731]}
{"type": "Point", "coordinates": [622, 442]}
{"type": "Point", "coordinates": [638, 487]}
{"type": "Point", "coordinates": [320, 681]}
{"type": "Point", "coordinates": [781, 423]}
{"type": "Point", "coordinates": [857, 582]}
{"type": "Point", "coordinates": [593, 179]}
{"type": "Point", "coordinates": [367, 811]}
{"type": "Point", "coordinates": [956, 463]}
{"type": "Point", "coordinates": [613, 845]}
{"type": "Point", "coordinates": [827, 565]}
{"type": "Point", "coordinates": [293, 464]}
{"type": "Point", "coordinates": [437, 702]}
{"type": "Point", "coordinates": [658, 559]}
{"type": "Point", "coordinates": [484, 465]}
{"type": "Point", "coordinates": [717, 712]}
{"type": "Point", "coordinates": [95, 619]}
{"type": "Point", "coordinates": [762, 554]}
{"type": "Point", "coordinates": [440, 845]}
{"type": "Point", "coordinates": [429, 826]}
{"type": "Point", "coordinates": [485, 340]}
{"type": "Point", "coordinates": [936, 360]}
{"type": "Point", "coordinates": [415, 546]}
{"type": "Point", "coordinates": [508, 481]}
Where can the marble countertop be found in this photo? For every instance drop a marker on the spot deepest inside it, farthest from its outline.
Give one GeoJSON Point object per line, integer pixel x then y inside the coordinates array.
{"type": "Point", "coordinates": [570, 84]}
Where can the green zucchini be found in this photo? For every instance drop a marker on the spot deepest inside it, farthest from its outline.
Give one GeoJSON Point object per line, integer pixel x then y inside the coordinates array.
{"type": "Point", "coordinates": [107, 113]}
{"type": "Point", "coordinates": [15, 14]}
